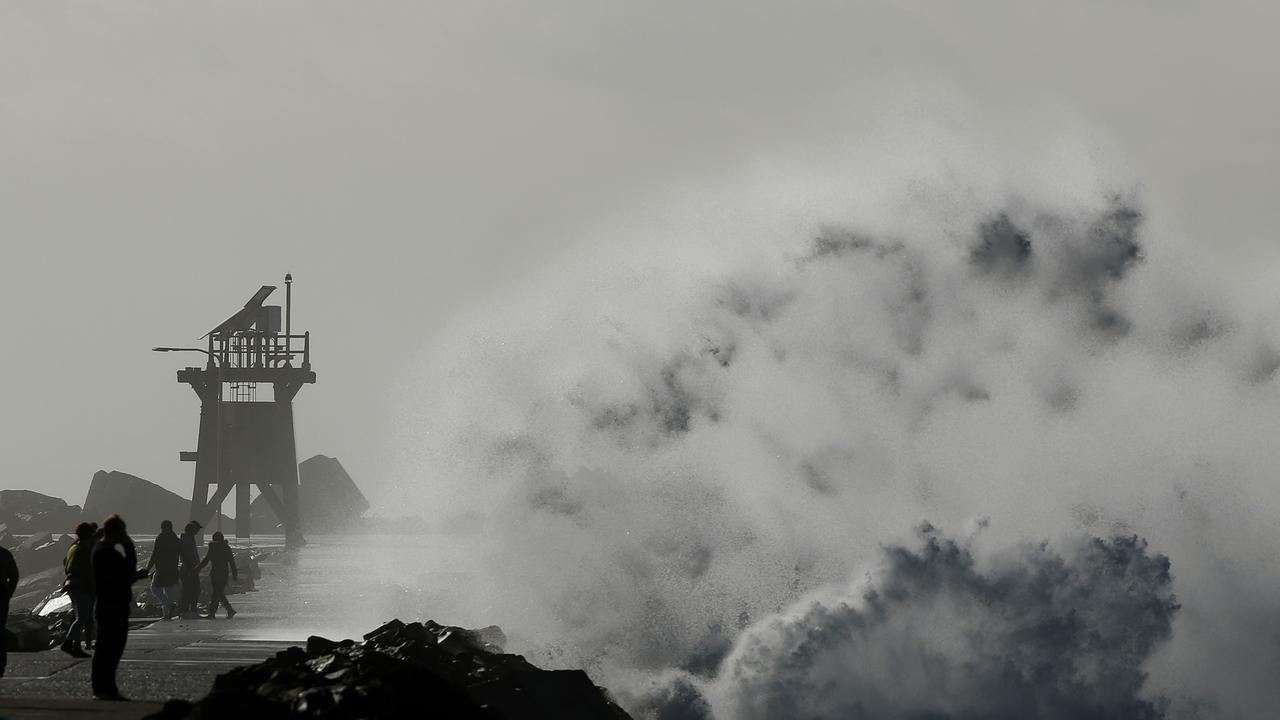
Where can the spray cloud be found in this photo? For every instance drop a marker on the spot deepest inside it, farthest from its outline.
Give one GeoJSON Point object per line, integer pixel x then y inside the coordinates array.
{"type": "Point", "coordinates": [675, 440]}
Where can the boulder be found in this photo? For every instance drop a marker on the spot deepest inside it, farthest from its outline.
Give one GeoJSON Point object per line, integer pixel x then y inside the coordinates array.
{"type": "Point", "coordinates": [41, 551]}
{"type": "Point", "coordinates": [401, 670]}
{"type": "Point", "coordinates": [35, 586]}
{"type": "Point", "coordinates": [141, 503]}
{"type": "Point", "coordinates": [23, 512]}
{"type": "Point", "coordinates": [531, 695]}
{"type": "Point", "coordinates": [57, 613]}
{"type": "Point", "coordinates": [27, 633]}
{"type": "Point", "coordinates": [34, 541]}
{"type": "Point", "coordinates": [328, 499]}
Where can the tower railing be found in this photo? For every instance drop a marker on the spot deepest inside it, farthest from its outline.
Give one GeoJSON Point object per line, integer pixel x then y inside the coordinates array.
{"type": "Point", "coordinates": [249, 349]}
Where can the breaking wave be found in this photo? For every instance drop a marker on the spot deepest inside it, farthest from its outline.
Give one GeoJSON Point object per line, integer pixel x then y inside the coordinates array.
{"type": "Point", "coordinates": [680, 434]}
{"type": "Point", "coordinates": [931, 635]}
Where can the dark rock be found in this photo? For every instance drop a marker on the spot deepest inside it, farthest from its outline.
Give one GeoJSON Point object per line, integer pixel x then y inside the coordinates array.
{"type": "Point", "coordinates": [41, 552]}
{"type": "Point", "coordinates": [142, 504]}
{"type": "Point", "coordinates": [57, 613]}
{"type": "Point", "coordinates": [317, 645]}
{"type": "Point", "coordinates": [327, 497]}
{"type": "Point", "coordinates": [36, 540]}
{"type": "Point", "coordinates": [145, 605]}
{"type": "Point", "coordinates": [532, 695]}
{"type": "Point", "coordinates": [27, 633]}
{"type": "Point", "coordinates": [390, 628]}
{"type": "Point", "coordinates": [25, 511]}
{"type": "Point", "coordinates": [317, 702]}
{"type": "Point", "coordinates": [456, 641]}
{"type": "Point", "coordinates": [492, 635]}
{"type": "Point", "coordinates": [179, 708]}
{"type": "Point", "coordinates": [34, 586]}
{"type": "Point", "coordinates": [401, 670]}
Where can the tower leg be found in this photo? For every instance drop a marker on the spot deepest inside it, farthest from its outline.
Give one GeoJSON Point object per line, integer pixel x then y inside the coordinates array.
{"type": "Point", "coordinates": [292, 520]}
{"type": "Point", "coordinates": [292, 537]}
{"type": "Point", "coordinates": [200, 502]}
{"type": "Point", "coordinates": [242, 510]}
{"type": "Point", "coordinates": [213, 509]}
{"type": "Point", "coordinates": [209, 467]}
{"type": "Point", "coordinates": [206, 460]}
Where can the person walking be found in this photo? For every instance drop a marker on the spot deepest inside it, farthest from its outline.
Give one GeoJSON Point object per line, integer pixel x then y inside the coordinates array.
{"type": "Point", "coordinates": [220, 559]}
{"type": "Point", "coordinates": [115, 570]}
{"type": "Point", "coordinates": [78, 586]}
{"type": "Point", "coordinates": [164, 560]}
{"type": "Point", "coordinates": [8, 583]}
{"type": "Point", "coordinates": [189, 601]}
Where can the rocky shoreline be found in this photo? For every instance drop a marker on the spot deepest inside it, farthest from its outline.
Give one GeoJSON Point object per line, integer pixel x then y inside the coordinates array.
{"type": "Point", "coordinates": [401, 670]}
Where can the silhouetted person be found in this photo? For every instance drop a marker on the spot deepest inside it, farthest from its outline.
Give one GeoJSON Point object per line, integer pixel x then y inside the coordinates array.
{"type": "Point", "coordinates": [189, 602]}
{"type": "Point", "coordinates": [115, 569]}
{"type": "Point", "coordinates": [164, 559]}
{"type": "Point", "coordinates": [219, 559]}
{"type": "Point", "coordinates": [90, 625]}
{"type": "Point", "coordinates": [8, 583]}
{"type": "Point", "coordinates": [79, 587]}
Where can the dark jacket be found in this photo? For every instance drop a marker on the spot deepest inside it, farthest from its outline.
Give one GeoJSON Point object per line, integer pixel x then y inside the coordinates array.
{"type": "Point", "coordinates": [219, 559]}
{"type": "Point", "coordinates": [190, 553]}
{"type": "Point", "coordinates": [79, 566]}
{"type": "Point", "coordinates": [8, 575]}
{"type": "Point", "coordinates": [164, 558]}
{"type": "Point", "coordinates": [115, 569]}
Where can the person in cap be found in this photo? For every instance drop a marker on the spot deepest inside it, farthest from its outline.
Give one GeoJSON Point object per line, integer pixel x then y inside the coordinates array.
{"type": "Point", "coordinates": [189, 599]}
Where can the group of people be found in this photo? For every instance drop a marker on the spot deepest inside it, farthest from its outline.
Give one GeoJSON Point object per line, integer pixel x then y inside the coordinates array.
{"type": "Point", "coordinates": [176, 562]}
{"type": "Point", "coordinates": [102, 566]}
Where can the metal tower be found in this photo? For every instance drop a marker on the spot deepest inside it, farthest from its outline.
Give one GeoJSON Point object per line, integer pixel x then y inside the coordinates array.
{"type": "Point", "coordinates": [246, 391]}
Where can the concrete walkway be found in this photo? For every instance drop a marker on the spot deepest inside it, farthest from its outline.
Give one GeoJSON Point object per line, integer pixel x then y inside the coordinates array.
{"type": "Point", "coordinates": [163, 660]}
{"type": "Point", "coordinates": [52, 709]}
{"type": "Point", "coordinates": [338, 587]}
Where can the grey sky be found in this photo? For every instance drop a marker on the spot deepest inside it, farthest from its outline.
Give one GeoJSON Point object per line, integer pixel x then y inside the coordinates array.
{"type": "Point", "coordinates": [159, 161]}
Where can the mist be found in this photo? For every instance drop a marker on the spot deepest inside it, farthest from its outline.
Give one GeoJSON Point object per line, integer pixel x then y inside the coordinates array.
{"type": "Point", "coordinates": [743, 396]}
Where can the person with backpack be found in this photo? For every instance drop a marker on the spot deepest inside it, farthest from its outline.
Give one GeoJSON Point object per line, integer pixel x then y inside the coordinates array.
{"type": "Point", "coordinates": [79, 587]}
{"type": "Point", "coordinates": [220, 560]}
